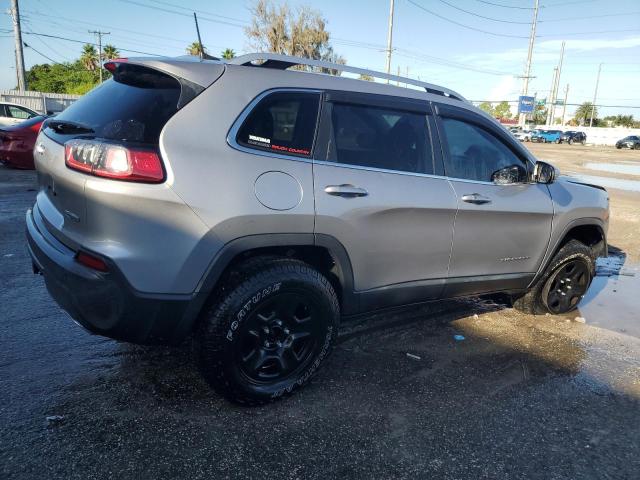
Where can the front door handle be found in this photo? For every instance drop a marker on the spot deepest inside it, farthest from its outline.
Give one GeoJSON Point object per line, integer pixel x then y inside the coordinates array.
{"type": "Point", "coordinates": [345, 190]}
{"type": "Point", "coordinates": [476, 199]}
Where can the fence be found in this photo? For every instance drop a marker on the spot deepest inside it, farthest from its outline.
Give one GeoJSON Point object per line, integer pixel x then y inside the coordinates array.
{"type": "Point", "coordinates": [39, 101]}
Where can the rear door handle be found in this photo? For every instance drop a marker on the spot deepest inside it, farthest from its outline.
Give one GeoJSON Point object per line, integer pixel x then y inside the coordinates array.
{"type": "Point", "coordinates": [475, 198]}
{"type": "Point", "coordinates": [345, 190]}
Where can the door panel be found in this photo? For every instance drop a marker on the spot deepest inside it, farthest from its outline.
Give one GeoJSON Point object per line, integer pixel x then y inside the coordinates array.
{"type": "Point", "coordinates": [400, 231]}
{"type": "Point", "coordinates": [503, 223]}
{"type": "Point", "coordinates": [508, 234]}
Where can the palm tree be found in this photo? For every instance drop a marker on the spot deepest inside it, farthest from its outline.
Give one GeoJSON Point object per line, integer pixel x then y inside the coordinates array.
{"type": "Point", "coordinates": [583, 113]}
{"type": "Point", "coordinates": [228, 54]}
{"type": "Point", "coordinates": [89, 57]}
{"type": "Point", "coordinates": [110, 52]}
{"type": "Point", "coordinates": [196, 49]}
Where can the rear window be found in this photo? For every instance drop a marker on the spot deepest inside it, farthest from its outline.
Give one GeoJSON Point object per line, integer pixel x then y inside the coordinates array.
{"type": "Point", "coordinates": [283, 122]}
{"type": "Point", "coordinates": [133, 106]}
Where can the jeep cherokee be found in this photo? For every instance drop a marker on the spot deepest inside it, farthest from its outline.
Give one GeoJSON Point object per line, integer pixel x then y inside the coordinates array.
{"type": "Point", "coordinates": [253, 207]}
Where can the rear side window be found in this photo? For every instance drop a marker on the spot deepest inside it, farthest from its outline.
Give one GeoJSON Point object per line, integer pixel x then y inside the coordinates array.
{"type": "Point", "coordinates": [381, 138]}
{"type": "Point", "coordinates": [282, 122]}
{"type": "Point", "coordinates": [475, 153]}
{"type": "Point", "coordinates": [133, 106]}
{"type": "Point", "coordinates": [17, 112]}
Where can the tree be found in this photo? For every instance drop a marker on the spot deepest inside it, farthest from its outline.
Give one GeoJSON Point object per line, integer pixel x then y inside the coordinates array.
{"type": "Point", "coordinates": [300, 33]}
{"type": "Point", "coordinates": [196, 49]}
{"type": "Point", "coordinates": [364, 76]}
{"type": "Point", "coordinates": [487, 107]}
{"type": "Point", "coordinates": [89, 57]}
{"type": "Point", "coordinates": [503, 110]}
{"type": "Point", "coordinates": [583, 113]}
{"type": "Point", "coordinates": [110, 52]}
{"type": "Point", "coordinates": [228, 54]}
{"type": "Point", "coordinates": [62, 78]}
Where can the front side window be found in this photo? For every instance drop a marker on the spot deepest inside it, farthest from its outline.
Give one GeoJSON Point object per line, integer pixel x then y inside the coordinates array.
{"type": "Point", "coordinates": [476, 154]}
{"type": "Point", "coordinates": [282, 122]}
{"type": "Point", "coordinates": [381, 138]}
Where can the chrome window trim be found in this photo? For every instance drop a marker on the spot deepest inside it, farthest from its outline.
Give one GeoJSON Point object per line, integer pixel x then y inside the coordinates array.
{"type": "Point", "coordinates": [235, 127]}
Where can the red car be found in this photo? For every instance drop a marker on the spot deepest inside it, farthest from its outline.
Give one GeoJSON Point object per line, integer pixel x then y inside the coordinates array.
{"type": "Point", "coordinates": [17, 143]}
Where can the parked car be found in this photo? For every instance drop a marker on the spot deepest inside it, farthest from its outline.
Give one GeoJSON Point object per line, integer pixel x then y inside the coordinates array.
{"type": "Point", "coordinates": [525, 135]}
{"type": "Point", "coordinates": [547, 136]}
{"type": "Point", "coordinates": [17, 143]}
{"type": "Point", "coordinates": [253, 207]}
{"type": "Point", "coordinates": [632, 141]}
{"type": "Point", "coordinates": [572, 137]}
{"type": "Point", "coordinates": [12, 113]}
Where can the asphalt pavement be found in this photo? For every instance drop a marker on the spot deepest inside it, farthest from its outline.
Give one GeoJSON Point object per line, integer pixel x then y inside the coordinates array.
{"type": "Point", "coordinates": [466, 389]}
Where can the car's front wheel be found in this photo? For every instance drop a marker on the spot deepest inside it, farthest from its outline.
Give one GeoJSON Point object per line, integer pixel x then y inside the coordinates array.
{"type": "Point", "coordinates": [564, 282]}
{"type": "Point", "coordinates": [269, 334]}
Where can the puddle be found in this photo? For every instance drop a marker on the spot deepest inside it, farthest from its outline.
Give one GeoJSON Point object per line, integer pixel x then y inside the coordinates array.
{"type": "Point", "coordinates": [633, 169]}
{"type": "Point", "coordinates": [612, 300]}
{"type": "Point", "coordinates": [606, 182]}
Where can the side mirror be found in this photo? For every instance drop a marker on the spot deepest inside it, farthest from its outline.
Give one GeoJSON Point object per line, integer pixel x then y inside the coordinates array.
{"type": "Point", "coordinates": [509, 175]}
{"type": "Point", "coordinates": [544, 172]}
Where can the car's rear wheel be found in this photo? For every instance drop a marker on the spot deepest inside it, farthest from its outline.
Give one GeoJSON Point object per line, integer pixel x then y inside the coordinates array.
{"type": "Point", "coordinates": [636, 146]}
{"type": "Point", "coordinates": [557, 140]}
{"type": "Point", "coordinates": [270, 332]}
{"type": "Point", "coordinates": [563, 284]}
{"type": "Point", "coordinates": [570, 141]}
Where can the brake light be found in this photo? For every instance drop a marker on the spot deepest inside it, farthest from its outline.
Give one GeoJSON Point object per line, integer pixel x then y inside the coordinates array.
{"type": "Point", "coordinates": [36, 127]}
{"type": "Point", "coordinates": [91, 261]}
{"type": "Point", "coordinates": [113, 64]}
{"type": "Point", "coordinates": [114, 161]}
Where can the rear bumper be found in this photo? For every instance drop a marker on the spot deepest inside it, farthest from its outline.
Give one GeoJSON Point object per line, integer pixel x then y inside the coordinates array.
{"type": "Point", "coordinates": [104, 302]}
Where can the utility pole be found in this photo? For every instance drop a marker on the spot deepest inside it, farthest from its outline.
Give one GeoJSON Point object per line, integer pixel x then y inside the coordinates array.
{"type": "Point", "coordinates": [557, 85]}
{"type": "Point", "coordinates": [527, 72]}
{"type": "Point", "coordinates": [595, 96]}
{"type": "Point", "coordinates": [550, 98]}
{"type": "Point", "coordinates": [17, 33]}
{"type": "Point", "coordinates": [564, 106]}
{"type": "Point", "coordinates": [389, 39]}
{"type": "Point", "coordinates": [99, 35]}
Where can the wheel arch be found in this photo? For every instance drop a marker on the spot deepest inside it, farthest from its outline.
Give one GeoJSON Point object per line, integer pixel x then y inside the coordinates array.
{"type": "Point", "coordinates": [323, 252]}
{"type": "Point", "coordinates": [589, 231]}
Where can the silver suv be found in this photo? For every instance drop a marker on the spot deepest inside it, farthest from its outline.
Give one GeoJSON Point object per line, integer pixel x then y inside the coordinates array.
{"type": "Point", "coordinates": [254, 207]}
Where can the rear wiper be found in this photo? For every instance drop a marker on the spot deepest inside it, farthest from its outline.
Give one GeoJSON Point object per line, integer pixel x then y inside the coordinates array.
{"type": "Point", "coordinates": [65, 126]}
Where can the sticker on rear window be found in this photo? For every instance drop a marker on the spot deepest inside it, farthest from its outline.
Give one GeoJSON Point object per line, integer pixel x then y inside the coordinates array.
{"type": "Point", "coordinates": [259, 141]}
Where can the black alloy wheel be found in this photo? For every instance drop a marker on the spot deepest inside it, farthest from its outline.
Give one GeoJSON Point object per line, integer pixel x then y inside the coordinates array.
{"type": "Point", "coordinates": [566, 286]}
{"type": "Point", "coordinates": [279, 338]}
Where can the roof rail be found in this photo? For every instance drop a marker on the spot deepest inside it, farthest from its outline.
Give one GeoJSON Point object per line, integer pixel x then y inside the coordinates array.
{"type": "Point", "coordinates": [282, 62]}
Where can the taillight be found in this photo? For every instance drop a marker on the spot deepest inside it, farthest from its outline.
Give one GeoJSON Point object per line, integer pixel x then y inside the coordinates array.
{"type": "Point", "coordinates": [36, 127]}
{"type": "Point", "coordinates": [114, 161]}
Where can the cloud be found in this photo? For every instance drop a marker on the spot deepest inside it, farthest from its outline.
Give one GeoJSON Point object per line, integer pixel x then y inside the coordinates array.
{"type": "Point", "coordinates": [547, 50]}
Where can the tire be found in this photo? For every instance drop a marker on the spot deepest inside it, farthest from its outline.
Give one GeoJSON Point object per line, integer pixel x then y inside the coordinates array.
{"type": "Point", "coordinates": [270, 332]}
{"type": "Point", "coordinates": [583, 142]}
{"type": "Point", "coordinates": [619, 147]}
{"type": "Point", "coordinates": [557, 141]}
{"type": "Point", "coordinates": [552, 293]}
{"type": "Point", "coordinates": [636, 146]}
{"type": "Point", "coordinates": [570, 141]}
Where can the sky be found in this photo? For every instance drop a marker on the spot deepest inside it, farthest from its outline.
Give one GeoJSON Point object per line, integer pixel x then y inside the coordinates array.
{"type": "Point", "coordinates": [476, 47]}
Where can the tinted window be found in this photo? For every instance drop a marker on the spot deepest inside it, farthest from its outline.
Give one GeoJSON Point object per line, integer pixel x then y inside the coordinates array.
{"type": "Point", "coordinates": [282, 122]}
{"type": "Point", "coordinates": [381, 138]}
{"type": "Point", "coordinates": [474, 153]}
{"type": "Point", "coordinates": [133, 106]}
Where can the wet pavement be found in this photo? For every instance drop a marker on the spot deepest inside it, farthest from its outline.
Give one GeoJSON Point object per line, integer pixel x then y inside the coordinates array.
{"type": "Point", "coordinates": [516, 397]}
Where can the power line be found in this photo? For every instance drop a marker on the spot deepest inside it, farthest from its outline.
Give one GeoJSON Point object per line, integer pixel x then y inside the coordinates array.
{"type": "Point", "coordinates": [504, 6]}
{"type": "Point", "coordinates": [203, 12]}
{"type": "Point", "coordinates": [462, 24]}
{"type": "Point", "coordinates": [152, 7]}
{"type": "Point", "coordinates": [482, 16]}
{"type": "Point", "coordinates": [90, 43]}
